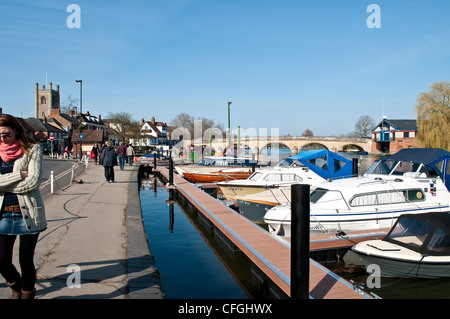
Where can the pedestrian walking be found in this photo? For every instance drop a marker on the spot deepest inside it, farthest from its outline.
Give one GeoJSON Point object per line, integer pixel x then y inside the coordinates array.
{"type": "Point", "coordinates": [108, 158]}
{"type": "Point", "coordinates": [22, 208]}
{"type": "Point", "coordinates": [94, 152]}
{"type": "Point", "coordinates": [130, 154]}
{"type": "Point", "coordinates": [121, 153]}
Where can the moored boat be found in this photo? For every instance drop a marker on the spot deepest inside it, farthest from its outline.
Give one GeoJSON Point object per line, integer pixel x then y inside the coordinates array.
{"type": "Point", "coordinates": [310, 167]}
{"type": "Point", "coordinates": [417, 246]}
{"type": "Point", "coordinates": [217, 176]}
{"type": "Point", "coordinates": [410, 181]}
{"type": "Point", "coordinates": [214, 163]}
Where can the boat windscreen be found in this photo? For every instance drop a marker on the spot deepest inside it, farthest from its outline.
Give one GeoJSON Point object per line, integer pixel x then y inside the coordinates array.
{"type": "Point", "coordinates": [409, 232]}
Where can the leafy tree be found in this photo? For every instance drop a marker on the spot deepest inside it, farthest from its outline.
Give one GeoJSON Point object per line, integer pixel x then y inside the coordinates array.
{"type": "Point", "coordinates": [433, 117]}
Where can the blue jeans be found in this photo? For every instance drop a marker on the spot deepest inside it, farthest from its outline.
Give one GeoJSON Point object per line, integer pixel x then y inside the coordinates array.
{"type": "Point", "coordinates": [121, 161]}
{"type": "Point", "coordinates": [130, 160]}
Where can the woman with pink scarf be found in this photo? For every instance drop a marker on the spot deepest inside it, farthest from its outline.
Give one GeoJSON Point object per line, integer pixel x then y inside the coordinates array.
{"type": "Point", "coordinates": [22, 208]}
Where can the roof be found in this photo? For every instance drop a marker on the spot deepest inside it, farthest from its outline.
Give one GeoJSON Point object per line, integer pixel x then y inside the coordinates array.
{"type": "Point", "coordinates": [420, 155]}
{"type": "Point", "coordinates": [431, 157]}
{"type": "Point", "coordinates": [39, 126]}
{"type": "Point", "coordinates": [334, 166]}
{"type": "Point", "coordinates": [408, 125]}
{"type": "Point", "coordinates": [89, 136]}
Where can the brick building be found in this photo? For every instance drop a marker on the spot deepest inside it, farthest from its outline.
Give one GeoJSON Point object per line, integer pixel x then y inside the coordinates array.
{"type": "Point", "coordinates": [390, 136]}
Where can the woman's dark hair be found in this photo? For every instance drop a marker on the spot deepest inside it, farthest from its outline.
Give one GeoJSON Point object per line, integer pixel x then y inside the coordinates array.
{"type": "Point", "coordinates": [25, 141]}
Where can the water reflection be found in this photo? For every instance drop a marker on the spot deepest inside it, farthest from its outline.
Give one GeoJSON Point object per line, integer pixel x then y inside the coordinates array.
{"type": "Point", "coordinates": [188, 258]}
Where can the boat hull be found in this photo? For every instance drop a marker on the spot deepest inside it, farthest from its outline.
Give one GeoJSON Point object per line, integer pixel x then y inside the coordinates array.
{"type": "Point", "coordinates": [401, 262]}
{"type": "Point", "coordinates": [280, 221]}
{"type": "Point", "coordinates": [214, 177]}
{"type": "Point", "coordinates": [254, 210]}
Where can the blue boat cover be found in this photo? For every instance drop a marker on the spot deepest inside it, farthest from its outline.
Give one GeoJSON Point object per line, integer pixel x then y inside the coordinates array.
{"type": "Point", "coordinates": [436, 158]}
{"type": "Point", "coordinates": [324, 163]}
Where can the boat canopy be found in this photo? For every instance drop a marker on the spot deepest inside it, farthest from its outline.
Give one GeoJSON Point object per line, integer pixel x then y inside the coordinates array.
{"type": "Point", "coordinates": [322, 162]}
{"type": "Point", "coordinates": [435, 158]}
{"type": "Point", "coordinates": [428, 233]}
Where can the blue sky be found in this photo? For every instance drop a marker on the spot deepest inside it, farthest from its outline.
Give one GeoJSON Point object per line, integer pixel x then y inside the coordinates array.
{"type": "Point", "coordinates": [288, 64]}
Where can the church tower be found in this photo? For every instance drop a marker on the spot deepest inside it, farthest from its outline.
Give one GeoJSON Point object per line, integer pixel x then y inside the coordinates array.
{"type": "Point", "coordinates": [46, 100]}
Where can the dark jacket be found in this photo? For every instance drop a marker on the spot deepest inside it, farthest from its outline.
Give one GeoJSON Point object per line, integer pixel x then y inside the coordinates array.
{"type": "Point", "coordinates": [108, 156]}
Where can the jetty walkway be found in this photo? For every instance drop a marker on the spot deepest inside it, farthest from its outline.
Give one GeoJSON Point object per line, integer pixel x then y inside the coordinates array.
{"type": "Point", "coordinates": [95, 245]}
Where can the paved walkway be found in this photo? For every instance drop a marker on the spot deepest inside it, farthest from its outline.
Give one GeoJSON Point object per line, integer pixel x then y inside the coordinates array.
{"type": "Point", "coordinates": [95, 245]}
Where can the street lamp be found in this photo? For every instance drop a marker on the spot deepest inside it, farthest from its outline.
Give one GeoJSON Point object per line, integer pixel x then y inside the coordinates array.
{"type": "Point", "coordinates": [81, 109]}
{"type": "Point", "coordinates": [81, 95]}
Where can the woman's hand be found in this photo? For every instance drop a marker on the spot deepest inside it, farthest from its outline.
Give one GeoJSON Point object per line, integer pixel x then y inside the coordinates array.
{"type": "Point", "coordinates": [24, 174]}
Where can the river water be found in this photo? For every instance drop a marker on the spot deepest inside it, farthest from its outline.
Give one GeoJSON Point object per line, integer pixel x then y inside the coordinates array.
{"type": "Point", "coordinates": [193, 264]}
{"type": "Point", "coordinates": [188, 263]}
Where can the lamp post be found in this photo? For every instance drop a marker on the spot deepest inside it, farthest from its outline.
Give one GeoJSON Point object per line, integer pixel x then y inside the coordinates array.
{"type": "Point", "coordinates": [229, 125]}
{"type": "Point", "coordinates": [81, 95]}
{"type": "Point", "coordinates": [81, 110]}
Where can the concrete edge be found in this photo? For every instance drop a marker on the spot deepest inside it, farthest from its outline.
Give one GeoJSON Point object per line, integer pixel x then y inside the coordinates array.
{"type": "Point", "coordinates": [143, 277]}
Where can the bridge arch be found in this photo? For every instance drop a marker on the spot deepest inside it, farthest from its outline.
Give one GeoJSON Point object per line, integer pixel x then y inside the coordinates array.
{"type": "Point", "coordinates": [313, 146]}
{"type": "Point", "coordinates": [352, 148]}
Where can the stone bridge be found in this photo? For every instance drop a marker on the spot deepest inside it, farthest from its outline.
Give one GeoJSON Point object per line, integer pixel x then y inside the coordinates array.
{"type": "Point", "coordinates": [294, 144]}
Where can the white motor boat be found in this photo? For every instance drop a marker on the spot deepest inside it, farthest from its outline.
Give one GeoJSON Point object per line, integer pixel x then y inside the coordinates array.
{"type": "Point", "coordinates": [417, 246]}
{"type": "Point", "coordinates": [309, 167]}
{"type": "Point", "coordinates": [410, 181]}
{"type": "Point", "coordinates": [215, 163]}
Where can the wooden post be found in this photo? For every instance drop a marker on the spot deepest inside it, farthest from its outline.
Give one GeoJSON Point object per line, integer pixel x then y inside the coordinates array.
{"type": "Point", "coordinates": [300, 216]}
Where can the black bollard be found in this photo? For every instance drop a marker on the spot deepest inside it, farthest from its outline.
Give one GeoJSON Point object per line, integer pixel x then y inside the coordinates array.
{"type": "Point", "coordinates": [253, 163]}
{"type": "Point", "coordinates": [154, 161]}
{"type": "Point", "coordinates": [354, 166]}
{"type": "Point", "coordinates": [300, 216]}
{"type": "Point", "coordinates": [170, 171]}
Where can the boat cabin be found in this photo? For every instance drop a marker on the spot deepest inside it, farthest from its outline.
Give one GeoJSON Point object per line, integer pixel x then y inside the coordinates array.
{"type": "Point", "coordinates": [427, 234]}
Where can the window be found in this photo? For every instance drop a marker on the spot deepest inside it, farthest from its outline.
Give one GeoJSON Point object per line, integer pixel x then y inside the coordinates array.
{"type": "Point", "coordinates": [388, 197]}
{"type": "Point", "coordinates": [43, 100]}
{"type": "Point", "coordinates": [255, 176]}
{"type": "Point", "coordinates": [279, 177]}
{"type": "Point", "coordinates": [317, 194]}
{"type": "Point", "coordinates": [405, 134]}
{"type": "Point", "coordinates": [410, 231]}
{"type": "Point", "coordinates": [440, 242]}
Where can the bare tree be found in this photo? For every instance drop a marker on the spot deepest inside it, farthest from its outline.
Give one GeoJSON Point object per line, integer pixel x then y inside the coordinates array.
{"type": "Point", "coordinates": [69, 104]}
{"type": "Point", "coordinates": [433, 116]}
{"type": "Point", "coordinates": [364, 126]}
{"type": "Point", "coordinates": [307, 133]}
{"type": "Point", "coordinates": [124, 126]}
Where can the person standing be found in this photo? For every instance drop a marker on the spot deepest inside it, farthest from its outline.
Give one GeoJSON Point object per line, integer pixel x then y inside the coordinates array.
{"type": "Point", "coordinates": [94, 152]}
{"type": "Point", "coordinates": [130, 154]}
{"type": "Point", "coordinates": [108, 158]}
{"type": "Point", "coordinates": [22, 208]}
{"type": "Point", "coordinates": [121, 154]}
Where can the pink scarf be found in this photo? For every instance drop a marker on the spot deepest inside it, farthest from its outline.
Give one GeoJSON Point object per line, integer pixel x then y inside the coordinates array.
{"type": "Point", "coordinates": [10, 152]}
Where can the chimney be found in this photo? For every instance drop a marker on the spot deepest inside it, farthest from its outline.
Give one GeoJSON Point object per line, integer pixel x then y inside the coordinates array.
{"type": "Point", "coordinates": [99, 117]}
{"type": "Point", "coordinates": [142, 121]}
{"type": "Point", "coordinates": [88, 114]}
{"type": "Point", "coordinates": [71, 112]}
{"type": "Point", "coordinates": [153, 119]}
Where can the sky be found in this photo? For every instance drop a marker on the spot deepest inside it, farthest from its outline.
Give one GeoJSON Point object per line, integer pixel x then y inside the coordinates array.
{"type": "Point", "coordinates": [287, 64]}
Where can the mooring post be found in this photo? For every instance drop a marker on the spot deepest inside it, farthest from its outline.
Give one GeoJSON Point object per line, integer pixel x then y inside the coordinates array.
{"type": "Point", "coordinates": [170, 171]}
{"type": "Point", "coordinates": [300, 241]}
{"type": "Point", "coordinates": [154, 161]}
{"type": "Point", "coordinates": [253, 163]}
{"type": "Point", "coordinates": [354, 166]}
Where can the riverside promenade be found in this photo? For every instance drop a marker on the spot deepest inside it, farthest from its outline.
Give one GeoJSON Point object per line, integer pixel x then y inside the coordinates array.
{"type": "Point", "coordinates": [95, 245]}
